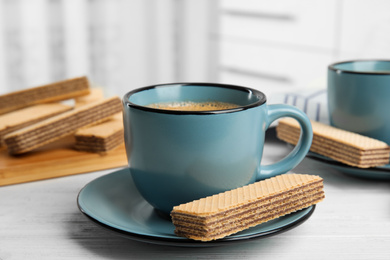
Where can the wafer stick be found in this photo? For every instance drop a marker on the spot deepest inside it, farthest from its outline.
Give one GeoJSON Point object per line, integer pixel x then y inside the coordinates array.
{"type": "Point", "coordinates": [27, 116]}
{"type": "Point", "coordinates": [328, 150]}
{"type": "Point", "coordinates": [344, 146]}
{"type": "Point", "coordinates": [102, 137]}
{"type": "Point", "coordinates": [226, 213]}
{"type": "Point", "coordinates": [94, 95]}
{"type": "Point", "coordinates": [56, 127]}
{"type": "Point", "coordinates": [57, 91]}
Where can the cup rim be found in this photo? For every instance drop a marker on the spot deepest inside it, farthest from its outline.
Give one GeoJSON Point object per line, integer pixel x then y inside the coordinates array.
{"type": "Point", "coordinates": [338, 70]}
{"type": "Point", "coordinates": [261, 98]}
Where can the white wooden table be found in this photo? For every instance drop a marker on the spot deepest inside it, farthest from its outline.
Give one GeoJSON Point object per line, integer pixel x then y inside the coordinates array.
{"type": "Point", "coordinates": [41, 220]}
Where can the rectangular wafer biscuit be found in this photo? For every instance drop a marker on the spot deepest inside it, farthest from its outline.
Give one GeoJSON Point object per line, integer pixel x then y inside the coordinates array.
{"type": "Point", "coordinates": [57, 91]}
{"type": "Point", "coordinates": [27, 116]}
{"type": "Point", "coordinates": [321, 145]}
{"type": "Point", "coordinates": [102, 137]}
{"type": "Point", "coordinates": [347, 147]}
{"type": "Point", "coordinates": [223, 214]}
{"type": "Point", "coordinates": [94, 95]}
{"type": "Point", "coordinates": [54, 128]}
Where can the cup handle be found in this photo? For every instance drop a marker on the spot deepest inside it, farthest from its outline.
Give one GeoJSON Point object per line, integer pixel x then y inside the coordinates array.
{"type": "Point", "coordinates": [299, 152]}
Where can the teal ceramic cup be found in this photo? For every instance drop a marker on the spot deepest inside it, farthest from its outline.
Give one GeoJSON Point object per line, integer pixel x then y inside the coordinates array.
{"type": "Point", "coordinates": [359, 97]}
{"type": "Point", "coordinates": [179, 156]}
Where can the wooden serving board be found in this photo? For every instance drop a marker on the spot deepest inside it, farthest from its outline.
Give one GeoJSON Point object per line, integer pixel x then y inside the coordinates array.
{"type": "Point", "coordinates": [56, 160]}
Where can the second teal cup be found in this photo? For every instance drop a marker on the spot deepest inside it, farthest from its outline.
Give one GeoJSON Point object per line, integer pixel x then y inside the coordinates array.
{"type": "Point", "coordinates": [359, 97]}
{"type": "Point", "coordinates": [179, 156]}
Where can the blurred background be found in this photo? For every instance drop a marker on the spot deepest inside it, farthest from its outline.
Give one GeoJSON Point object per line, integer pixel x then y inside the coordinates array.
{"type": "Point", "coordinates": [275, 46]}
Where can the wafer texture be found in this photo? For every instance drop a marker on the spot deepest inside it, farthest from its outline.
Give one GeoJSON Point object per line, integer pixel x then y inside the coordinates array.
{"type": "Point", "coordinates": [27, 116]}
{"type": "Point", "coordinates": [343, 146]}
{"type": "Point", "coordinates": [226, 213]}
{"type": "Point", "coordinates": [57, 91]}
{"type": "Point", "coordinates": [102, 137]}
{"type": "Point", "coordinates": [56, 127]}
{"type": "Point", "coordinates": [94, 95]}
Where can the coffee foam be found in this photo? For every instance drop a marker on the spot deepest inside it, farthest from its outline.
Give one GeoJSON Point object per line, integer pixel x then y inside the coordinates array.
{"type": "Point", "coordinates": [193, 106]}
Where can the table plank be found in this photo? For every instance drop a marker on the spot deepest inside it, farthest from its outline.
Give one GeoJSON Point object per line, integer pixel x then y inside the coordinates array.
{"type": "Point", "coordinates": [56, 160]}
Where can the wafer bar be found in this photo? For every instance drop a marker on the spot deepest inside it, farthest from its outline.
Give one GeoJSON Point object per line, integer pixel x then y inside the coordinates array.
{"type": "Point", "coordinates": [223, 214]}
{"type": "Point", "coordinates": [347, 147]}
{"type": "Point", "coordinates": [59, 126]}
{"type": "Point", "coordinates": [94, 95]}
{"type": "Point", "coordinates": [57, 91]}
{"type": "Point", "coordinates": [327, 149]}
{"type": "Point", "coordinates": [102, 137]}
{"type": "Point", "coordinates": [27, 116]}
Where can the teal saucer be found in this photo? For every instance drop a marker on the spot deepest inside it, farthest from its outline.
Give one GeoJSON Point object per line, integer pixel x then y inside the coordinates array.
{"type": "Point", "coordinates": [114, 203]}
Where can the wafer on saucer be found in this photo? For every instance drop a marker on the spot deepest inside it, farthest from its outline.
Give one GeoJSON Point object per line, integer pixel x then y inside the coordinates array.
{"type": "Point", "coordinates": [232, 211]}
{"type": "Point", "coordinates": [102, 137]}
{"type": "Point", "coordinates": [347, 147]}
{"type": "Point", "coordinates": [27, 116]}
{"type": "Point", "coordinates": [54, 128]}
{"type": "Point", "coordinates": [57, 91]}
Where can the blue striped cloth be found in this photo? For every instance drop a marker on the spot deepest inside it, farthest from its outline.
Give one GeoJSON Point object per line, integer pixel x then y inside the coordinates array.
{"type": "Point", "coordinates": [312, 102]}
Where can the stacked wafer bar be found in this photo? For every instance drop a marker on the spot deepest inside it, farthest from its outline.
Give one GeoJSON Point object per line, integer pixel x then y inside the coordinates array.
{"type": "Point", "coordinates": [343, 146]}
{"type": "Point", "coordinates": [102, 137]}
{"type": "Point", "coordinates": [27, 116]}
{"type": "Point", "coordinates": [61, 90]}
{"type": "Point", "coordinates": [94, 95]}
{"type": "Point", "coordinates": [226, 213]}
{"type": "Point", "coordinates": [56, 127]}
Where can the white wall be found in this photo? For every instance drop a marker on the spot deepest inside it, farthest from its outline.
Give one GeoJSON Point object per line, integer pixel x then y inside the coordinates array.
{"type": "Point", "coordinates": [275, 46]}
{"type": "Point", "coordinates": [120, 45]}
{"type": "Point", "coordinates": [286, 45]}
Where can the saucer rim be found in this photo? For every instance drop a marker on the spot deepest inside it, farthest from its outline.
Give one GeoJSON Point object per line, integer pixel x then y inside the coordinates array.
{"type": "Point", "coordinates": [193, 243]}
{"type": "Point", "coordinates": [180, 241]}
{"type": "Point", "coordinates": [380, 172]}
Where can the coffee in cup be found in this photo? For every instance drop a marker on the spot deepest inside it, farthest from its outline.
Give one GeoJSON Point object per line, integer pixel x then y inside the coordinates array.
{"type": "Point", "coordinates": [194, 106]}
